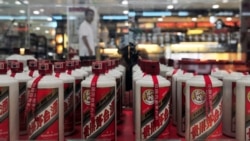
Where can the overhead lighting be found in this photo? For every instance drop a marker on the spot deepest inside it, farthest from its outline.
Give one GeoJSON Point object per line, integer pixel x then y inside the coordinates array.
{"type": "Point", "coordinates": [15, 24]}
{"type": "Point", "coordinates": [183, 13]}
{"type": "Point", "coordinates": [125, 12]}
{"type": "Point", "coordinates": [46, 31]}
{"type": "Point", "coordinates": [194, 19]}
{"type": "Point", "coordinates": [228, 19]}
{"type": "Point", "coordinates": [224, 1]}
{"type": "Point", "coordinates": [212, 19]}
{"type": "Point", "coordinates": [37, 28]}
{"type": "Point", "coordinates": [17, 2]}
{"type": "Point", "coordinates": [160, 19]}
{"type": "Point", "coordinates": [41, 10]}
{"type": "Point", "coordinates": [175, 1]}
{"type": "Point", "coordinates": [215, 6]}
{"type": "Point", "coordinates": [36, 12]}
{"type": "Point", "coordinates": [125, 2]}
{"type": "Point", "coordinates": [152, 14]}
{"type": "Point", "coordinates": [114, 17]}
{"type": "Point", "coordinates": [49, 19]}
{"type": "Point", "coordinates": [22, 11]}
{"type": "Point", "coordinates": [26, 2]}
{"type": "Point", "coordinates": [170, 7]}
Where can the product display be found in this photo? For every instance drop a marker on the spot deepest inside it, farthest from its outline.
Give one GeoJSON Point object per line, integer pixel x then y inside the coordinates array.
{"type": "Point", "coordinates": [69, 97]}
{"type": "Point", "coordinates": [152, 111]}
{"type": "Point", "coordinates": [99, 105]}
{"type": "Point", "coordinates": [33, 66]}
{"type": "Point", "coordinates": [45, 105]}
{"type": "Point", "coordinates": [9, 108]}
{"type": "Point", "coordinates": [203, 108]}
{"type": "Point", "coordinates": [22, 78]}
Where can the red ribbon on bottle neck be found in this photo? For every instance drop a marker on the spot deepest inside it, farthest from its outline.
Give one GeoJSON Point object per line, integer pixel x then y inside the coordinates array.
{"type": "Point", "coordinates": [209, 94]}
{"type": "Point", "coordinates": [92, 97]}
{"type": "Point", "coordinates": [32, 96]}
{"type": "Point", "coordinates": [13, 74]}
{"type": "Point", "coordinates": [156, 98]}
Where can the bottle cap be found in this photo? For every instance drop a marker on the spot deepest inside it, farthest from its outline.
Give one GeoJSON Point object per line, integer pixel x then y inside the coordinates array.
{"type": "Point", "coordinates": [59, 67]}
{"type": "Point", "coordinates": [32, 64]}
{"type": "Point", "coordinates": [98, 67]}
{"type": "Point", "coordinates": [44, 68]}
{"type": "Point", "coordinates": [152, 67]}
{"type": "Point", "coordinates": [16, 67]}
{"type": "Point", "coordinates": [70, 64]}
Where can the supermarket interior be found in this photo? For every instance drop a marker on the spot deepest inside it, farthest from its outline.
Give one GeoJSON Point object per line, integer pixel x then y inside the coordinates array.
{"type": "Point", "coordinates": [121, 70]}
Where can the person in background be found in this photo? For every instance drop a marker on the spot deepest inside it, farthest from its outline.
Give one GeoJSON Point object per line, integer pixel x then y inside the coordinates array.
{"type": "Point", "coordinates": [86, 37]}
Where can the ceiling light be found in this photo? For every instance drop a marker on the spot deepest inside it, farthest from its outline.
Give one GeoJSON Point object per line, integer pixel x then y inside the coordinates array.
{"type": "Point", "coordinates": [26, 2]}
{"type": "Point", "coordinates": [160, 19]}
{"type": "Point", "coordinates": [216, 6]}
{"type": "Point", "coordinates": [194, 19]}
{"type": "Point", "coordinates": [212, 19]}
{"type": "Point", "coordinates": [41, 10]}
{"type": "Point", "coordinates": [36, 12]}
{"type": "Point", "coordinates": [15, 24]}
{"type": "Point", "coordinates": [49, 19]}
{"type": "Point", "coordinates": [46, 31]}
{"type": "Point", "coordinates": [37, 28]}
{"type": "Point", "coordinates": [17, 2]}
{"type": "Point", "coordinates": [22, 11]}
{"type": "Point", "coordinates": [125, 12]}
{"type": "Point", "coordinates": [228, 19]}
{"type": "Point", "coordinates": [224, 1]}
{"type": "Point", "coordinates": [125, 2]}
{"type": "Point", "coordinates": [175, 1]}
{"type": "Point", "coordinates": [170, 7]}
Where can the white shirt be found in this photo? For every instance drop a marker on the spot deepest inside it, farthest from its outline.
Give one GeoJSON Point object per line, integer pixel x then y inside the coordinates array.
{"type": "Point", "coordinates": [86, 30]}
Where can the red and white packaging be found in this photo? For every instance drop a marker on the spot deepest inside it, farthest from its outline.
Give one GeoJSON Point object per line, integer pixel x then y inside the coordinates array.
{"type": "Point", "coordinates": [79, 76]}
{"type": "Point", "coordinates": [180, 114]}
{"type": "Point", "coordinates": [45, 105]}
{"type": "Point", "coordinates": [118, 78]}
{"type": "Point", "coordinates": [243, 109]}
{"type": "Point", "coordinates": [220, 74]}
{"type": "Point", "coordinates": [169, 75]}
{"type": "Point", "coordinates": [152, 112]}
{"type": "Point", "coordinates": [203, 108]}
{"type": "Point", "coordinates": [22, 78]}
{"type": "Point", "coordinates": [98, 105]}
{"type": "Point", "coordinates": [33, 66]}
{"type": "Point", "coordinates": [229, 104]}
{"type": "Point", "coordinates": [78, 67]}
{"type": "Point", "coordinates": [87, 66]}
{"type": "Point", "coordinates": [69, 96]}
{"type": "Point", "coordinates": [9, 111]}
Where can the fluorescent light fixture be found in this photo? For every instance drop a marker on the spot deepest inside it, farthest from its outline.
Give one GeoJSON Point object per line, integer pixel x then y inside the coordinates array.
{"type": "Point", "coordinates": [131, 14]}
{"type": "Point", "coordinates": [41, 10]}
{"type": "Point", "coordinates": [36, 12]}
{"type": "Point", "coordinates": [170, 7]}
{"type": "Point", "coordinates": [183, 13]}
{"type": "Point", "coordinates": [152, 14]}
{"type": "Point", "coordinates": [175, 1]}
{"type": "Point", "coordinates": [125, 12]}
{"type": "Point", "coordinates": [17, 2]}
{"type": "Point", "coordinates": [37, 28]}
{"type": "Point", "coordinates": [194, 19]}
{"type": "Point", "coordinates": [228, 19]}
{"type": "Point", "coordinates": [224, 1]}
{"type": "Point", "coordinates": [22, 11]}
{"type": "Point", "coordinates": [160, 19]}
{"type": "Point", "coordinates": [115, 17]}
{"type": "Point", "coordinates": [57, 17]}
{"type": "Point", "coordinates": [26, 2]}
{"type": "Point", "coordinates": [125, 2]}
{"type": "Point", "coordinates": [215, 6]}
{"type": "Point", "coordinates": [46, 31]}
{"type": "Point", "coordinates": [49, 19]}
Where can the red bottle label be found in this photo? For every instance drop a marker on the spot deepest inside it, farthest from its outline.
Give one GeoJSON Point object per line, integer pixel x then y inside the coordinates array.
{"type": "Point", "coordinates": [103, 125]}
{"type": "Point", "coordinates": [4, 113]}
{"type": "Point", "coordinates": [205, 124]}
{"type": "Point", "coordinates": [69, 124]}
{"type": "Point", "coordinates": [247, 114]}
{"type": "Point", "coordinates": [43, 124]}
{"type": "Point", "coordinates": [22, 104]}
{"type": "Point", "coordinates": [149, 128]}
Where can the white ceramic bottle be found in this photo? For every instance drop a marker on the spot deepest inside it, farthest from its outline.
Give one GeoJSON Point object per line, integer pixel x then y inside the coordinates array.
{"type": "Point", "coordinates": [152, 111]}
{"type": "Point", "coordinates": [9, 124]}
{"type": "Point", "coordinates": [98, 105]}
{"type": "Point", "coordinates": [22, 78]}
{"type": "Point", "coordinates": [69, 96]}
{"type": "Point", "coordinates": [203, 108]}
{"type": "Point", "coordinates": [45, 105]}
